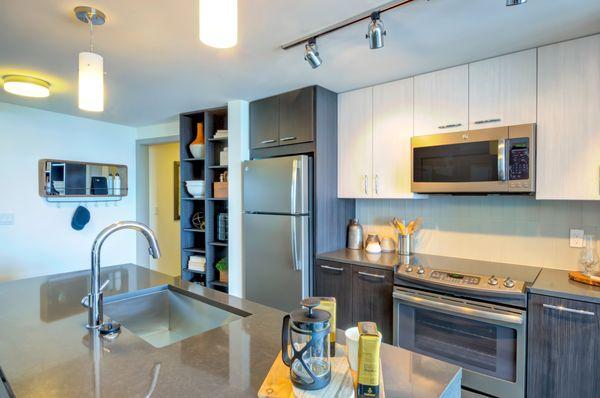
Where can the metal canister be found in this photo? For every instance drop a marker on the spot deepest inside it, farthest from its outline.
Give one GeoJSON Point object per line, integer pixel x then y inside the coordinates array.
{"type": "Point", "coordinates": [354, 235]}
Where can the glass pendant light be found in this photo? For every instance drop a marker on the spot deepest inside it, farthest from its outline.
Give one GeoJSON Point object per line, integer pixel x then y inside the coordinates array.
{"type": "Point", "coordinates": [218, 23]}
{"type": "Point", "coordinates": [91, 65]}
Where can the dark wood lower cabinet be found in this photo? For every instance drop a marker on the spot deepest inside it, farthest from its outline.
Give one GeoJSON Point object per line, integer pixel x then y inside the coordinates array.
{"type": "Point", "coordinates": [372, 301]}
{"type": "Point", "coordinates": [563, 354]}
{"type": "Point", "coordinates": [362, 294]}
{"type": "Point", "coordinates": [335, 280]}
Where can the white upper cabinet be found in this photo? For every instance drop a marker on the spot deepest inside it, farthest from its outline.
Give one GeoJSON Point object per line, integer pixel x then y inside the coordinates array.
{"type": "Point", "coordinates": [502, 90]}
{"type": "Point", "coordinates": [442, 101]}
{"type": "Point", "coordinates": [355, 143]}
{"type": "Point", "coordinates": [568, 123]}
{"type": "Point", "coordinates": [392, 131]}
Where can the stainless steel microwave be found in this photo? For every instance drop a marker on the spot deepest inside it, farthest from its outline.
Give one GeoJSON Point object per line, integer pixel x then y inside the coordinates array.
{"type": "Point", "coordinates": [494, 160]}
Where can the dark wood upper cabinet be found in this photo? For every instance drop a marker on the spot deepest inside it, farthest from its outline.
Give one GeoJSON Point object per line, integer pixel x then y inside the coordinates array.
{"type": "Point", "coordinates": [563, 354]}
{"type": "Point", "coordinates": [335, 280]}
{"type": "Point", "coordinates": [297, 116]}
{"type": "Point", "coordinates": [372, 301]}
{"type": "Point", "coordinates": [264, 123]}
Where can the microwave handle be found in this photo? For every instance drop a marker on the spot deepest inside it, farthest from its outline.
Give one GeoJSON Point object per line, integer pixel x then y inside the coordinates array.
{"type": "Point", "coordinates": [502, 154]}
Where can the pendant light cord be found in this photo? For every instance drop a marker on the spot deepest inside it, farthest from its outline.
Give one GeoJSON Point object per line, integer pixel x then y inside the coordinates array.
{"type": "Point", "coordinates": [91, 33]}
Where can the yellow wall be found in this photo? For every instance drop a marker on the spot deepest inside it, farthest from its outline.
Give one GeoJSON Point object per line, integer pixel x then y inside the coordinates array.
{"type": "Point", "coordinates": [161, 201]}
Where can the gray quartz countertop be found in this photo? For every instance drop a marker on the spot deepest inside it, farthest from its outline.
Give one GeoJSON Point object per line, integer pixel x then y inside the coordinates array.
{"type": "Point", "coordinates": [361, 257]}
{"type": "Point", "coordinates": [556, 283]}
{"type": "Point", "coordinates": [45, 349]}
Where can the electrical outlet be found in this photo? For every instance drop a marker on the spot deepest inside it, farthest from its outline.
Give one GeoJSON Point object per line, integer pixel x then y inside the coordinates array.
{"type": "Point", "coordinates": [7, 219]}
{"type": "Point", "coordinates": [576, 237]}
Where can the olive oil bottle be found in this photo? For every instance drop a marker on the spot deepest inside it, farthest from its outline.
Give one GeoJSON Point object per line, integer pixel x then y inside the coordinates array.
{"type": "Point", "coordinates": [369, 344]}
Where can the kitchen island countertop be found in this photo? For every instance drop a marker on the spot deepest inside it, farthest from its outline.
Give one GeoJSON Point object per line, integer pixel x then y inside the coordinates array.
{"type": "Point", "coordinates": [47, 351]}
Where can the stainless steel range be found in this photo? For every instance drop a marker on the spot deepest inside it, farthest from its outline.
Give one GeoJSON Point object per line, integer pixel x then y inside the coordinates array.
{"type": "Point", "coordinates": [470, 313]}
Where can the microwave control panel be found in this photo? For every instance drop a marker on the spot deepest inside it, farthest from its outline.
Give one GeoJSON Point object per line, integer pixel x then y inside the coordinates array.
{"type": "Point", "coordinates": [518, 159]}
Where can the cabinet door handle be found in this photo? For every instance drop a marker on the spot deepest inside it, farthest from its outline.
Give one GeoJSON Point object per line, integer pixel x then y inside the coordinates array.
{"type": "Point", "coordinates": [332, 268]}
{"type": "Point", "coordinates": [449, 126]}
{"type": "Point", "coordinates": [287, 138]}
{"type": "Point", "coordinates": [268, 141]}
{"type": "Point", "coordinates": [376, 184]}
{"type": "Point", "coordinates": [371, 275]}
{"type": "Point", "coordinates": [567, 309]}
{"type": "Point", "coordinates": [366, 184]}
{"type": "Point", "coordinates": [488, 121]}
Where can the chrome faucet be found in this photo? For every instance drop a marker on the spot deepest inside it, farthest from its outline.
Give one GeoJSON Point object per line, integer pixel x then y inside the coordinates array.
{"type": "Point", "coordinates": [95, 298]}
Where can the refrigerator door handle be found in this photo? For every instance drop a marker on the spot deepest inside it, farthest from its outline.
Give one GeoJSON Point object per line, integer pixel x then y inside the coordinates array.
{"type": "Point", "coordinates": [294, 240]}
{"type": "Point", "coordinates": [294, 185]}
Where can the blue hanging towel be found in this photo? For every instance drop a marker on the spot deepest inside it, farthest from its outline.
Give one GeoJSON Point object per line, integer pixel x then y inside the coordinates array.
{"type": "Point", "coordinates": [80, 218]}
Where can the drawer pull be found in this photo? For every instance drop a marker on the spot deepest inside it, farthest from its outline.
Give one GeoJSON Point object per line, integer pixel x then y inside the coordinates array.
{"type": "Point", "coordinates": [287, 139]}
{"type": "Point", "coordinates": [268, 141]}
{"type": "Point", "coordinates": [449, 126]}
{"type": "Point", "coordinates": [371, 275]}
{"type": "Point", "coordinates": [488, 121]}
{"type": "Point", "coordinates": [567, 309]}
{"type": "Point", "coordinates": [332, 268]}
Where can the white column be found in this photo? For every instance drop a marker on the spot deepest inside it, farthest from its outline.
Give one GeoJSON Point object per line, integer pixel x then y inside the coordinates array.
{"type": "Point", "coordinates": [238, 126]}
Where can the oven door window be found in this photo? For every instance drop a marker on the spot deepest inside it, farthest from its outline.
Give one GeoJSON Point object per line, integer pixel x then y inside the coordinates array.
{"type": "Point", "coordinates": [475, 345]}
{"type": "Point", "coordinates": [468, 162]}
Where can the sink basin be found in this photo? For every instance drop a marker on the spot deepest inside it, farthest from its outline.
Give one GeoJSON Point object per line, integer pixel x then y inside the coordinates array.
{"type": "Point", "coordinates": [165, 316]}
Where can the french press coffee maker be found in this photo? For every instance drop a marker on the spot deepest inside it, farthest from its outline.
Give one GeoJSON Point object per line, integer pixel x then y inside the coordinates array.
{"type": "Point", "coordinates": [307, 329]}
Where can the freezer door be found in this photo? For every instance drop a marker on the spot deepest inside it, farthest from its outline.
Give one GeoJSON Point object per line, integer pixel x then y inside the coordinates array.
{"type": "Point", "coordinates": [277, 185]}
{"type": "Point", "coordinates": [276, 259]}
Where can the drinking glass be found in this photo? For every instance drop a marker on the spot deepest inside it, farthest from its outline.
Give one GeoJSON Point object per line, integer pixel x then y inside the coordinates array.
{"type": "Point", "coordinates": [589, 256]}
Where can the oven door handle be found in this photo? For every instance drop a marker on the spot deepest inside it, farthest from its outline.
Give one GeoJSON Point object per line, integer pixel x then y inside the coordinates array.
{"type": "Point", "coordinates": [421, 301]}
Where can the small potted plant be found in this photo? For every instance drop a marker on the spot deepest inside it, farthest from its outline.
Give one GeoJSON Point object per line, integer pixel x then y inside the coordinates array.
{"type": "Point", "coordinates": [223, 267]}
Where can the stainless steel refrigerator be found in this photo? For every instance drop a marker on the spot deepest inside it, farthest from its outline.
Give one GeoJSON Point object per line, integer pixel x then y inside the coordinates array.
{"type": "Point", "coordinates": [277, 230]}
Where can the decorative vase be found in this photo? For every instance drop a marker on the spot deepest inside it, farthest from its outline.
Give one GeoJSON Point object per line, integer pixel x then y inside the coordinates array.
{"type": "Point", "coordinates": [197, 146]}
{"type": "Point", "coordinates": [224, 276]}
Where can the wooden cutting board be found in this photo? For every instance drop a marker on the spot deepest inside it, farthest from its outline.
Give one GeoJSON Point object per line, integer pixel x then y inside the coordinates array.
{"type": "Point", "coordinates": [583, 278]}
{"type": "Point", "coordinates": [277, 384]}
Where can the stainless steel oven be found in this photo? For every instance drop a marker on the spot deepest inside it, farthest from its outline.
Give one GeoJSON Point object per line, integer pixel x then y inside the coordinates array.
{"type": "Point", "coordinates": [495, 160]}
{"type": "Point", "coordinates": [487, 340]}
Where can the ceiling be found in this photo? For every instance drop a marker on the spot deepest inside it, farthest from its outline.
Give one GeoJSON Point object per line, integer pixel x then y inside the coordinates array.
{"type": "Point", "coordinates": [156, 67]}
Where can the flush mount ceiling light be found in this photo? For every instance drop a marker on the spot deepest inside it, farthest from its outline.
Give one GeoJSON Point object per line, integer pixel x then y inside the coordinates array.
{"type": "Point", "coordinates": [311, 54]}
{"type": "Point", "coordinates": [515, 2]}
{"type": "Point", "coordinates": [91, 65]}
{"type": "Point", "coordinates": [376, 31]}
{"type": "Point", "coordinates": [218, 23]}
{"type": "Point", "coordinates": [26, 86]}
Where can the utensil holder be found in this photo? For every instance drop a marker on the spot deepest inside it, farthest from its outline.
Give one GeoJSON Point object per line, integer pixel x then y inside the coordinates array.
{"type": "Point", "coordinates": [405, 244]}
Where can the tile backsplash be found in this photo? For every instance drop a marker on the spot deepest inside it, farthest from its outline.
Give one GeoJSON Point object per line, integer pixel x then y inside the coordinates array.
{"type": "Point", "coordinates": [510, 229]}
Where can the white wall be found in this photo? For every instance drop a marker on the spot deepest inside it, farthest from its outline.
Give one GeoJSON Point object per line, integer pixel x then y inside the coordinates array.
{"type": "Point", "coordinates": [161, 204]}
{"type": "Point", "coordinates": [41, 241]}
{"type": "Point", "coordinates": [158, 130]}
{"type": "Point", "coordinates": [508, 229]}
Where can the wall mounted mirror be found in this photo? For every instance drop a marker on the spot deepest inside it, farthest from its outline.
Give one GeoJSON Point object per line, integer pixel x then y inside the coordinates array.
{"type": "Point", "coordinates": [72, 179]}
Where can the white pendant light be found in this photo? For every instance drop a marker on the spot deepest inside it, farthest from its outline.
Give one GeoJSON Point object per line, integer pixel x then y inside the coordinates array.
{"type": "Point", "coordinates": [91, 82]}
{"type": "Point", "coordinates": [218, 23]}
{"type": "Point", "coordinates": [91, 65]}
{"type": "Point", "coordinates": [26, 86]}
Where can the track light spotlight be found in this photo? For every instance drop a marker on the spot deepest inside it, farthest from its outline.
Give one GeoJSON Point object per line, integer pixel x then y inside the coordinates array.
{"type": "Point", "coordinates": [376, 31]}
{"type": "Point", "coordinates": [311, 54]}
{"type": "Point", "coordinates": [515, 2]}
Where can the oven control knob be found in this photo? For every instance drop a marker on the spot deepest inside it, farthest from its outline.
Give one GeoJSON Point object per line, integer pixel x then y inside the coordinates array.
{"type": "Point", "coordinates": [409, 268]}
{"type": "Point", "coordinates": [493, 280]}
{"type": "Point", "coordinates": [509, 283]}
{"type": "Point", "coordinates": [421, 270]}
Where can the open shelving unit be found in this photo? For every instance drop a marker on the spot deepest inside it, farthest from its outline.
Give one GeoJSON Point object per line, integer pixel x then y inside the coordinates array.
{"type": "Point", "coordinates": [196, 241]}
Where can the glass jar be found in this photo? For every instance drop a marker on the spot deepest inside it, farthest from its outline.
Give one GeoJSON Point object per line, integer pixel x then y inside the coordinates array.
{"type": "Point", "coordinates": [589, 256]}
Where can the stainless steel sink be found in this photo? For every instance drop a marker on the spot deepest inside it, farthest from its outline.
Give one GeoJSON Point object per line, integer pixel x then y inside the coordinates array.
{"type": "Point", "coordinates": [165, 315]}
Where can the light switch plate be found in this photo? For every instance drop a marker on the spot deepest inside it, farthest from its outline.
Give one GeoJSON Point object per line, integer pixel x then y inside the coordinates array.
{"type": "Point", "coordinates": [576, 237]}
{"type": "Point", "coordinates": [7, 219]}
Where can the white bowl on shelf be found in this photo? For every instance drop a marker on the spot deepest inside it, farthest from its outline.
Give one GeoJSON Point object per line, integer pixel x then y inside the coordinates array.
{"type": "Point", "coordinates": [197, 151]}
{"type": "Point", "coordinates": [195, 188]}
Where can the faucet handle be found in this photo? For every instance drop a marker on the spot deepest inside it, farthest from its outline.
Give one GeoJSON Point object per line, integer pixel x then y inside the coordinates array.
{"type": "Point", "coordinates": [85, 301]}
{"type": "Point", "coordinates": [104, 284]}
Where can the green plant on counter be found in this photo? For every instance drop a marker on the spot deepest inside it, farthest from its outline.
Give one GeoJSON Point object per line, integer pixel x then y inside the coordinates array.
{"type": "Point", "coordinates": [222, 265]}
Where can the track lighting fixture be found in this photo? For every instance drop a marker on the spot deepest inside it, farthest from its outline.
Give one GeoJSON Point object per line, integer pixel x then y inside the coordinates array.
{"type": "Point", "coordinates": [311, 54]}
{"type": "Point", "coordinates": [376, 31]}
{"type": "Point", "coordinates": [515, 2]}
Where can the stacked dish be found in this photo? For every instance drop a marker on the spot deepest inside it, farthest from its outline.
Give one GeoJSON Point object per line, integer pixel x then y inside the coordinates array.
{"type": "Point", "coordinates": [195, 188]}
